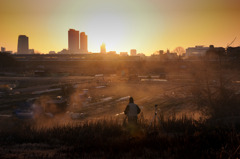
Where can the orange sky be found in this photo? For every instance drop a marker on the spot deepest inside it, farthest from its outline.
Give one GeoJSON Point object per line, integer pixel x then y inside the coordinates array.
{"type": "Point", "coordinates": [145, 25]}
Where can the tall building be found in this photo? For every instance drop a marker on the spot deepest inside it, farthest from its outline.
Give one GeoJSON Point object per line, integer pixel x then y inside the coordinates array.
{"type": "Point", "coordinates": [3, 49]}
{"type": "Point", "coordinates": [161, 52]}
{"type": "Point", "coordinates": [133, 52]}
{"type": "Point", "coordinates": [73, 41]}
{"type": "Point", "coordinates": [103, 48]}
{"type": "Point", "coordinates": [83, 43]}
{"type": "Point", "coordinates": [23, 44]}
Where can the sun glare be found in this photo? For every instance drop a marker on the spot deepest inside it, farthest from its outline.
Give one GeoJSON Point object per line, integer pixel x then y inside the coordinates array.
{"type": "Point", "coordinates": [107, 28]}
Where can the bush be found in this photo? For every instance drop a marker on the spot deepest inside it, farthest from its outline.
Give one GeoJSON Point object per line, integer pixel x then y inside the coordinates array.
{"type": "Point", "coordinates": [214, 92]}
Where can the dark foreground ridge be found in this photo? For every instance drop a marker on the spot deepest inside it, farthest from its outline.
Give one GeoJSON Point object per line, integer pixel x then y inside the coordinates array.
{"type": "Point", "coordinates": [110, 138]}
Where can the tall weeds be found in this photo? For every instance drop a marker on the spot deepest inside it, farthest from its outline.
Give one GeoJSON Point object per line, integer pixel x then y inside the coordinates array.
{"type": "Point", "coordinates": [168, 138]}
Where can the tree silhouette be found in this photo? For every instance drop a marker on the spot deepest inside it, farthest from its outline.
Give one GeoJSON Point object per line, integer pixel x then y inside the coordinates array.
{"type": "Point", "coordinates": [7, 60]}
{"type": "Point", "coordinates": [179, 50]}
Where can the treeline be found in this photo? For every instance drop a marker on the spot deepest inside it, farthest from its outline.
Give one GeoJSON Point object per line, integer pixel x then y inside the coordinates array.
{"type": "Point", "coordinates": [8, 61]}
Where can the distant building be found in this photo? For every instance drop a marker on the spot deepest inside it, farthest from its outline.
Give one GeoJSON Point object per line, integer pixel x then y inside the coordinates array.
{"type": "Point", "coordinates": [233, 52]}
{"type": "Point", "coordinates": [31, 51]}
{"type": "Point", "coordinates": [103, 48]}
{"type": "Point", "coordinates": [160, 55]}
{"type": "Point", "coordinates": [171, 56]}
{"type": "Point", "coordinates": [83, 43]}
{"type": "Point", "coordinates": [123, 53]}
{"type": "Point", "coordinates": [52, 52]}
{"type": "Point", "coordinates": [73, 41]}
{"type": "Point", "coordinates": [168, 51]}
{"type": "Point", "coordinates": [215, 52]}
{"type": "Point", "coordinates": [133, 52]}
{"type": "Point", "coordinates": [64, 51]}
{"type": "Point", "coordinates": [210, 51]}
{"type": "Point", "coordinates": [196, 51]}
{"type": "Point", "coordinates": [161, 52]}
{"type": "Point", "coordinates": [23, 47]}
{"type": "Point", "coordinates": [141, 54]}
{"type": "Point", "coordinates": [3, 49]}
{"type": "Point", "coordinates": [112, 52]}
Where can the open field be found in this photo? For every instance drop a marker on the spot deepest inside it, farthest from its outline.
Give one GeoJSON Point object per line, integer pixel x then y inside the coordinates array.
{"type": "Point", "coordinates": [109, 97]}
{"type": "Point", "coordinates": [92, 125]}
{"type": "Point", "coordinates": [105, 96]}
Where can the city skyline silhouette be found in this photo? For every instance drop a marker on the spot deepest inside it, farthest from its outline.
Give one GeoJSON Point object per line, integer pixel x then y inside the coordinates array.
{"type": "Point", "coordinates": [143, 25]}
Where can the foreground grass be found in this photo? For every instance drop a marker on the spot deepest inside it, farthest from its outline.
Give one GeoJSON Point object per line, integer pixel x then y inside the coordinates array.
{"type": "Point", "coordinates": [170, 138]}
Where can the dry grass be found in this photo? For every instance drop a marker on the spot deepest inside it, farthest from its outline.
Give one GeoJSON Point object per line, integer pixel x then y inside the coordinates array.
{"type": "Point", "coordinates": [111, 138]}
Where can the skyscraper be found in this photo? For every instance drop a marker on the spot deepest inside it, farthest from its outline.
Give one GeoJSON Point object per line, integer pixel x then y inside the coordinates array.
{"type": "Point", "coordinates": [23, 44]}
{"type": "Point", "coordinates": [103, 48]}
{"type": "Point", "coordinates": [73, 41]}
{"type": "Point", "coordinates": [83, 43]}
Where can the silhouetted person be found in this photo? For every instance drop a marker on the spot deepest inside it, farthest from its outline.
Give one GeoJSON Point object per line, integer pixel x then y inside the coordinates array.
{"type": "Point", "coordinates": [132, 110]}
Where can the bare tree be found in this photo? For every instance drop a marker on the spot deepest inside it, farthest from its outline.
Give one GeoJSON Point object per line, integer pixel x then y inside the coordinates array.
{"type": "Point", "coordinates": [179, 50]}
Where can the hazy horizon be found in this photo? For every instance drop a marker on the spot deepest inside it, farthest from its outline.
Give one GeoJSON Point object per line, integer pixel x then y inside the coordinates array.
{"type": "Point", "coordinates": [144, 25]}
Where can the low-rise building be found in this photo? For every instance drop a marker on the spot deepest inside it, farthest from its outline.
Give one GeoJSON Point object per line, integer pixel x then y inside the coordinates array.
{"type": "Point", "coordinates": [196, 51]}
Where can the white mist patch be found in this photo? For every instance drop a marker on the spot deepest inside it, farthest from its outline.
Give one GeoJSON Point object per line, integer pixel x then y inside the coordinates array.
{"type": "Point", "coordinates": [107, 99]}
{"type": "Point", "coordinates": [153, 80]}
{"type": "Point", "coordinates": [123, 99]}
{"type": "Point", "coordinates": [98, 87]}
{"type": "Point", "coordinates": [46, 91]}
{"type": "Point", "coordinates": [119, 114]}
{"type": "Point", "coordinates": [5, 115]}
{"type": "Point", "coordinates": [75, 116]}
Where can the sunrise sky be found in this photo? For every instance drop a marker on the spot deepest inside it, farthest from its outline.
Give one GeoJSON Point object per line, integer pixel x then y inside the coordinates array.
{"type": "Point", "coordinates": [145, 25]}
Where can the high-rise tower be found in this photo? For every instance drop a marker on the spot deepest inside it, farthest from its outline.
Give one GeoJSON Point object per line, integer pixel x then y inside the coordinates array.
{"type": "Point", "coordinates": [73, 41]}
{"type": "Point", "coordinates": [83, 43]}
{"type": "Point", "coordinates": [103, 48]}
{"type": "Point", "coordinates": [23, 44]}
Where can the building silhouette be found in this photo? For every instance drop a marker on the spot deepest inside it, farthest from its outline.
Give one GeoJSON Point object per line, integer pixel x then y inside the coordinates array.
{"type": "Point", "coordinates": [133, 52]}
{"type": "Point", "coordinates": [3, 49]}
{"type": "Point", "coordinates": [123, 53]}
{"type": "Point", "coordinates": [233, 52]}
{"type": "Point", "coordinates": [112, 53]}
{"type": "Point", "coordinates": [161, 52]}
{"type": "Point", "coordinates": [31, 51]}
{"type": "Point", "coordinates": [23, 47]}
{"type": "Point", "coordinates": [73, 41]}
{"type": "Point", "coordinates": [103, 48]}
{"type": "Point", "coordinates": [199, 51]}
{"type": "Point", "coordinates": [83, 43]}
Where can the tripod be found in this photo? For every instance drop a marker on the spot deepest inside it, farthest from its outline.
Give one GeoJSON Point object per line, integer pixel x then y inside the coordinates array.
{"type": "Point", "coordinates": [153, 121]}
